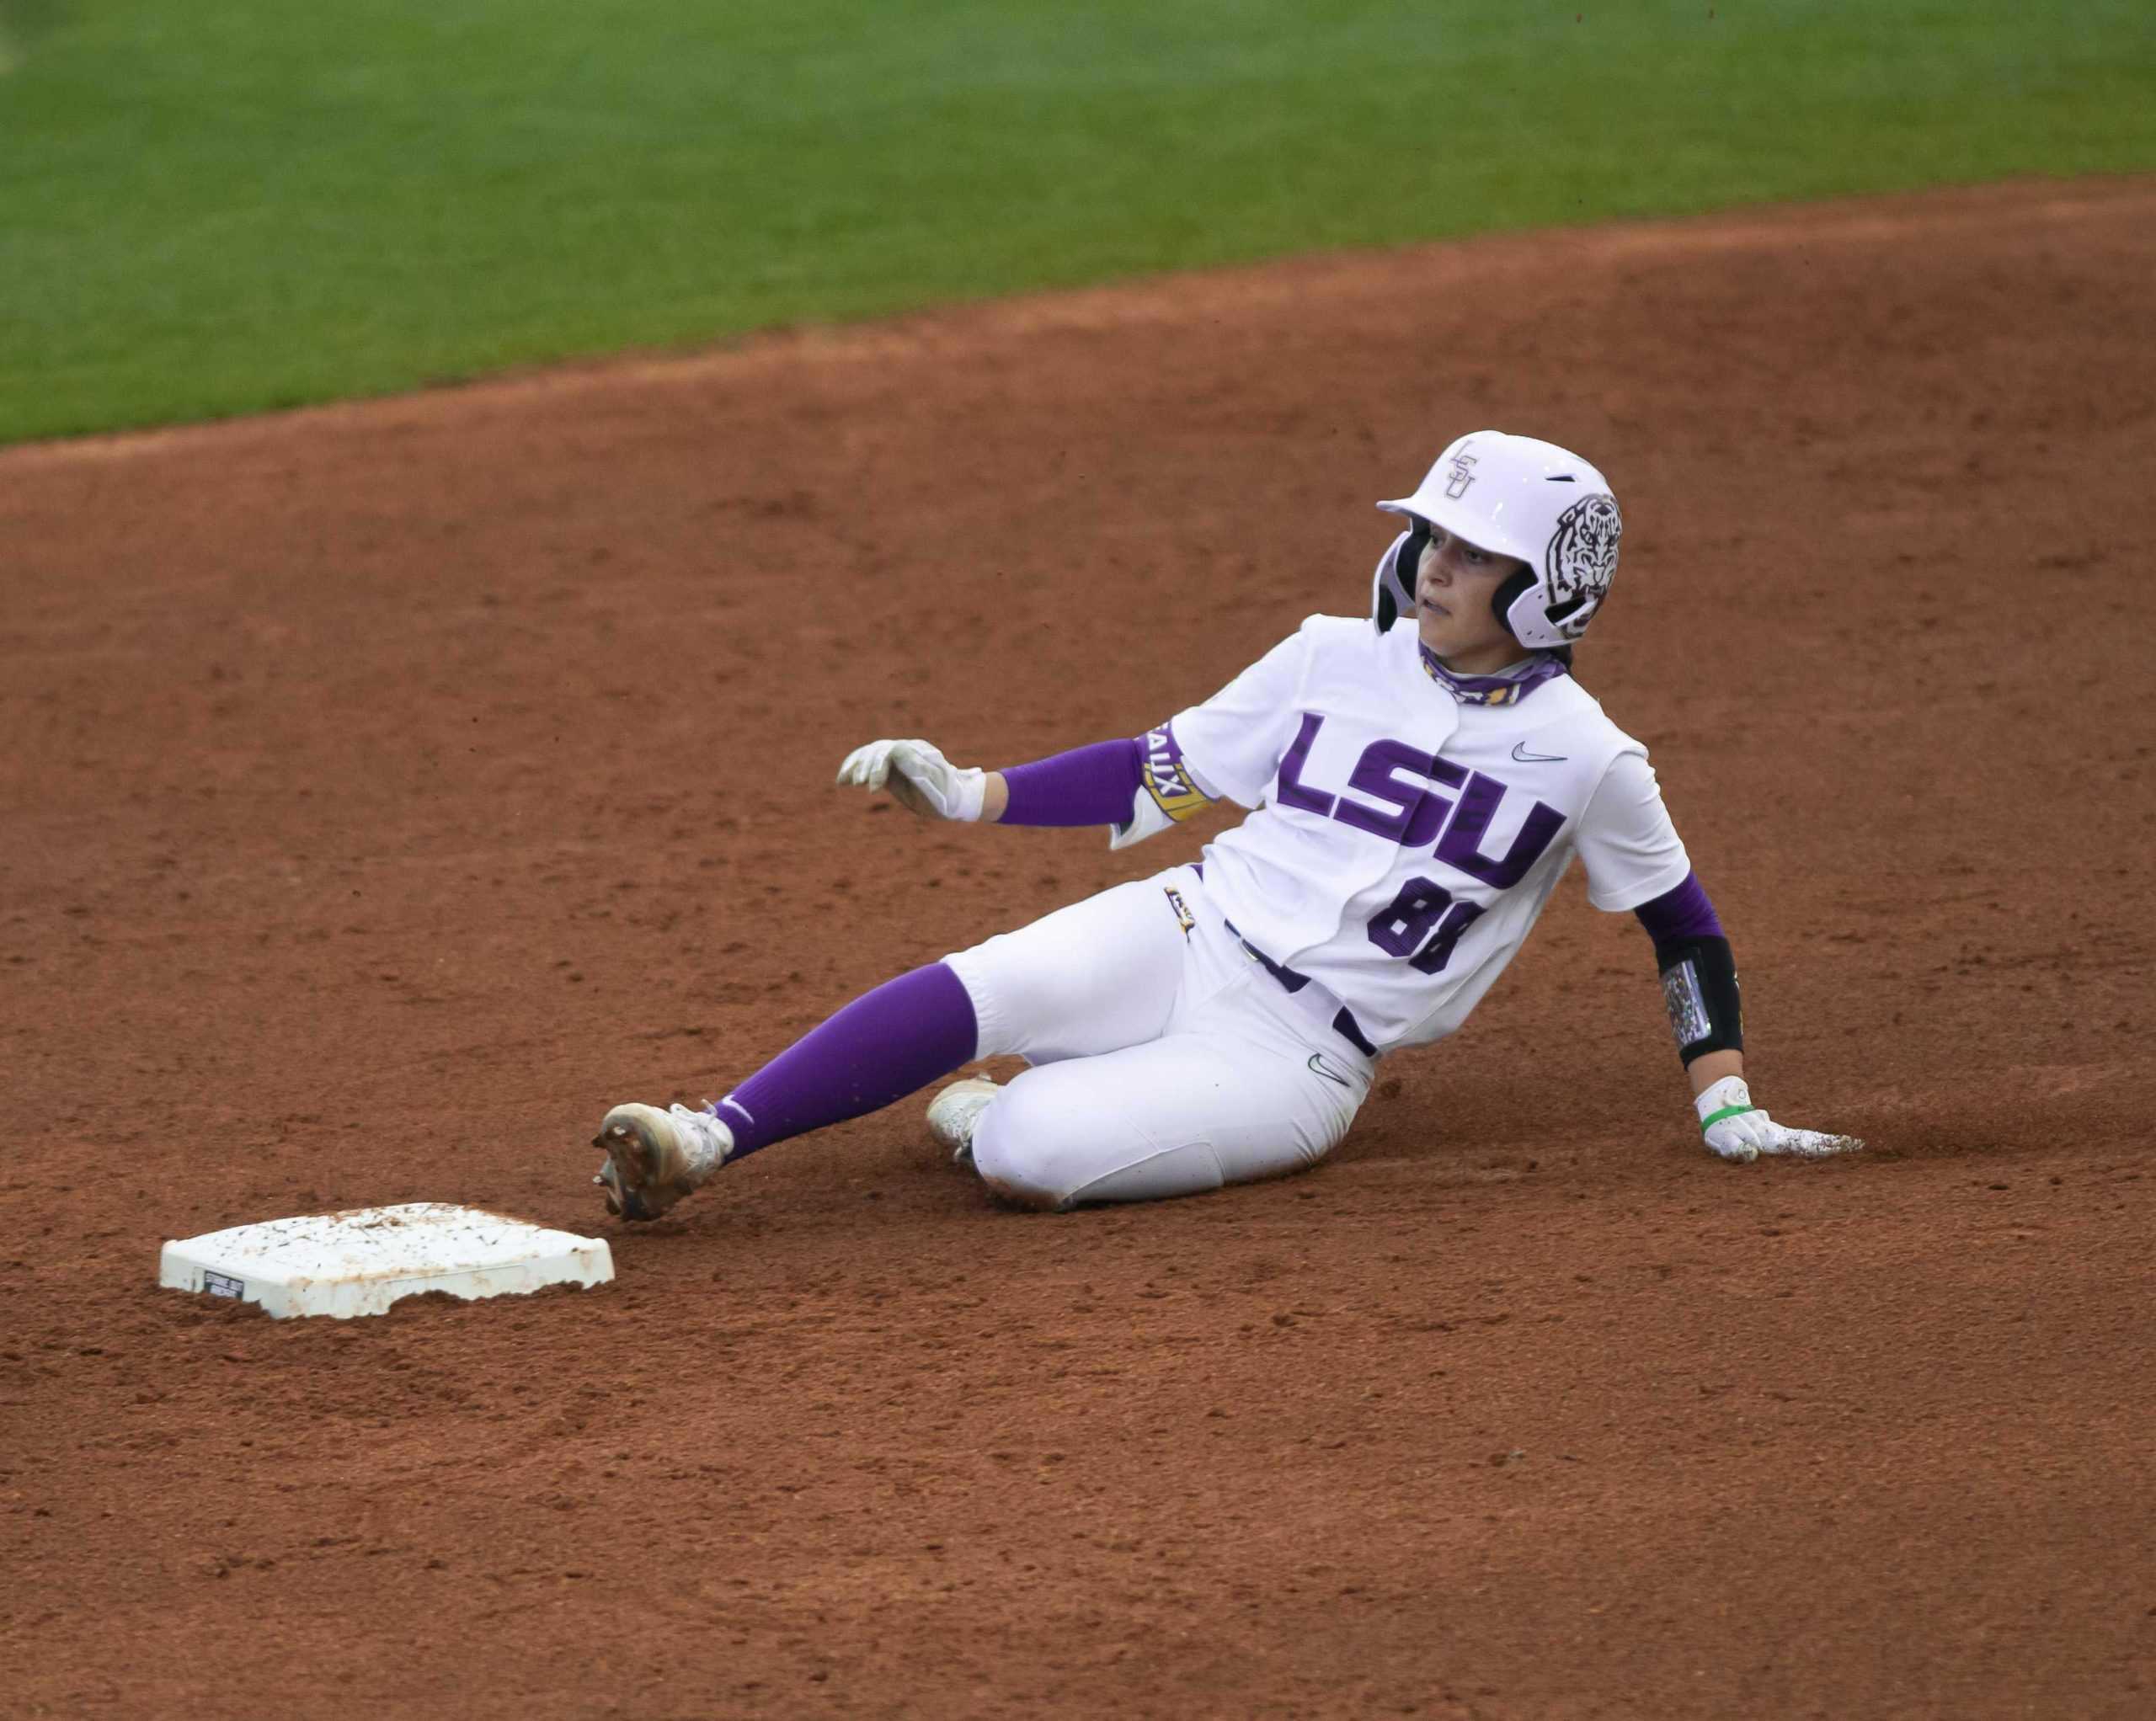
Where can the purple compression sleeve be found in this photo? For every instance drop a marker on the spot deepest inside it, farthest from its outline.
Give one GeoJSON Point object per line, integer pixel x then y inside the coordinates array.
{"type": "Point", "coordinates": [1683, 913]}
{"type": "Point", "coordinates": [879, 1048]}
{"type": "Point", "coordinates": [1092, 785]}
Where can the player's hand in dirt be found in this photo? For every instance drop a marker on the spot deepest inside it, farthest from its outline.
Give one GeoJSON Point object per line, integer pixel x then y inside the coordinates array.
{"type": "Point", "coordinates": [920, 778]}
{"type": "Point", "coordinates": [1739, 1132]}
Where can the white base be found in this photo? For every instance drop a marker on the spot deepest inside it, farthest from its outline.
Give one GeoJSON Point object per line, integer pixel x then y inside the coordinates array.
{"type": "Point", "coordinates": [361, 1261]}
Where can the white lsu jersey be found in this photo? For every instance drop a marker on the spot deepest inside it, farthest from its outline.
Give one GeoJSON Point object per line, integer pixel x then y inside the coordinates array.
{"type": "Point", "coordinates": [1402, 841]}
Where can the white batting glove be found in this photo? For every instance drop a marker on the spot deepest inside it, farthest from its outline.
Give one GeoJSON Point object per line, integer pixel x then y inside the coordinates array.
{"type": "Point", "coordinates": [920, 779]}
{"type": "Point", "coordinates": [1740, 1131]}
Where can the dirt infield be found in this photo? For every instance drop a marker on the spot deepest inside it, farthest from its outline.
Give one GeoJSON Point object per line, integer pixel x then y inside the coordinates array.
{"type": "Point", "coordinates": [388, 789]}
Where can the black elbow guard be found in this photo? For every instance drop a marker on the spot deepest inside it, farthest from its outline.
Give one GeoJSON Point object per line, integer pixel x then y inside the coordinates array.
{"type": "Point", "coordinates": [1698, 985]}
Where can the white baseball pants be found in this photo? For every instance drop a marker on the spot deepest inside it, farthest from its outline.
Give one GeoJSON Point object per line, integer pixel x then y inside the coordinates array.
{"type": "Point", "coordinates": [1167, 1061]}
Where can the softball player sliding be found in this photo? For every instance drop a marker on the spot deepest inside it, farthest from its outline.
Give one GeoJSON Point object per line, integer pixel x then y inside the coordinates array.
{"type": "Point", "coordinates": [1416, 792]}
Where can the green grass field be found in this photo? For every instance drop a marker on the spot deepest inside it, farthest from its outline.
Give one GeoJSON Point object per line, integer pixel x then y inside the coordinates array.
{"type": "Point", "coordinates": [224, 205]}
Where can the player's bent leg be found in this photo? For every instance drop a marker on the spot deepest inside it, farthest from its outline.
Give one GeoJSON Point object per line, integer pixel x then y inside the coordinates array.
{"type": "Point", "coordinates": [1099, 973]}
{"type": "Point", "coordinates": [884, 1044]}
{"type": "Point", "coordinates": [1176, 1117]}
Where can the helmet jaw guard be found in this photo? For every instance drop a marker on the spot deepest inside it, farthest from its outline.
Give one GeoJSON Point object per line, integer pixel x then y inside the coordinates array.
{"type": "Point", "coordinates": [1539, 504]}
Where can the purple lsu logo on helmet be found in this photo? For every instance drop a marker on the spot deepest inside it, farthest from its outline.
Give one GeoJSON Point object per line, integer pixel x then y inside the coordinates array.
{"type": "Point", "coordinates": [1583, 556]}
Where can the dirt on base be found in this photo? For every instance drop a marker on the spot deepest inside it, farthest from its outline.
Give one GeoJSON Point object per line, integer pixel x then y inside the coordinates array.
{"type": "Point", "coordinates": [388, 789]}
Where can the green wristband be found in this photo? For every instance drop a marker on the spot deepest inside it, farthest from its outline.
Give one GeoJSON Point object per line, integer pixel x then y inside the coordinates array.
{"type": "Point", "coordinates": [1712, 1118]}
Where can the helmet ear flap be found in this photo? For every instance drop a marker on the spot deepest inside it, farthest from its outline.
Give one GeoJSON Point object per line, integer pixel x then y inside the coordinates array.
{"type": "Point", "coordinates": [1515, 587]}
{"type": "Point", "coordinates": [1397, 569]}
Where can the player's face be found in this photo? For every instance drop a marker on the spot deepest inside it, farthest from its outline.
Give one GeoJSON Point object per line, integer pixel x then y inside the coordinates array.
{"type": "Point", "coordinates": [1454, 582]}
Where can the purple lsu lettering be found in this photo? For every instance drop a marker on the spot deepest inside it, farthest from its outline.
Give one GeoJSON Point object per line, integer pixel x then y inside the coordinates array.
{"type": "Point", "coordinates": [1424, 921]}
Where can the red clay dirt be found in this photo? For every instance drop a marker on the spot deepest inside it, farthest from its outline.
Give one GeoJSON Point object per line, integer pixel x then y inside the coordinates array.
{"type": "Point", "coordinates": [388, 789]}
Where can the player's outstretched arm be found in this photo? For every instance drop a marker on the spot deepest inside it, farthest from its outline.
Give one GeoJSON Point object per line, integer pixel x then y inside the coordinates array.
{"type": "Point", "coordinates": [1138, 785]}
{"type": "Point", "coordinates": [1088, 786]}
{"type": "Point", "coordinates": [1699, 986]}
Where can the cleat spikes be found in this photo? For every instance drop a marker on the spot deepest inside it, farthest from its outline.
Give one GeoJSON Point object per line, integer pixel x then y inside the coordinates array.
{"type": "Point", "coordinates": [655, 1157]}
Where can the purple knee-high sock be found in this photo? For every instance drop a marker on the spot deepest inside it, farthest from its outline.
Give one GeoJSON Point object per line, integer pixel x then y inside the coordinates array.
{"type": "Point", "coordinates": [879, 1048]}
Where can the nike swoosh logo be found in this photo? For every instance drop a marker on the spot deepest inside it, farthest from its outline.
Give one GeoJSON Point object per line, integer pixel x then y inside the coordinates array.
{"type": "Point", "coordinates": [1521, 754]}
{"type": "Point", "coordinates": [1317, 1063]}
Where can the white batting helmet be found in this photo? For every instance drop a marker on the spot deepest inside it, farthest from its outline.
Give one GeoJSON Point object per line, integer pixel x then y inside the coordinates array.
{"type": "Point", "coordinates": [1532, 500]}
